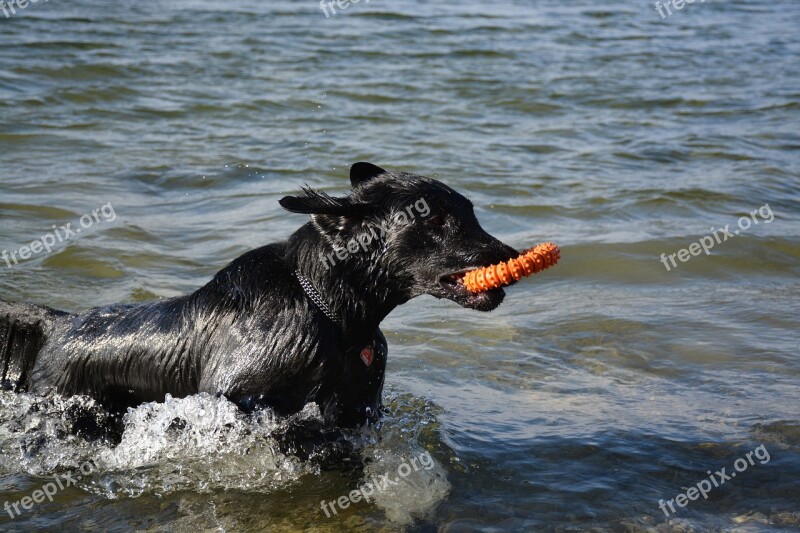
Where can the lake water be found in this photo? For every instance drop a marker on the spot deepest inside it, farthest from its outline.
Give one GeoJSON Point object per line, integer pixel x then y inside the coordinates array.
{"type": "Point", "coordinates": [597, 389]}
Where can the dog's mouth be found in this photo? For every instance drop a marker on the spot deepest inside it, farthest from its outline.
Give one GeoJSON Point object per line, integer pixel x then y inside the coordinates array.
{"type": "Point", "coordinates": [454, 289]}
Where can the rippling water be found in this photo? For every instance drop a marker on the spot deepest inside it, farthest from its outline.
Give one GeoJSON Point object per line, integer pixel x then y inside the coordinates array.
{"type": "Point", "coordinates": [594, 391]}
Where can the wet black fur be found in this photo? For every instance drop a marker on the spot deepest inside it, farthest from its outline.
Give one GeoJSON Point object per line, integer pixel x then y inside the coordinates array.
{"type": "Point", "coordinates": [251, 333]}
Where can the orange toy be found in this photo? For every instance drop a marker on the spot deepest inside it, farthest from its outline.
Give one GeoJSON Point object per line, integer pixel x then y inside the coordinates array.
{"type": "Point", "coordinates": [535, 260]}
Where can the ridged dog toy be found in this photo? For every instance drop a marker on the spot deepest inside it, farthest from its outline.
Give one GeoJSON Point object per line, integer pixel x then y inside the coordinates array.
{"type": "Point", "coordinates": [535, 260]}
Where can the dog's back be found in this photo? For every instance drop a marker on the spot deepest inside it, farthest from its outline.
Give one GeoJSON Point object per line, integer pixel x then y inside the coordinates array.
{"type": "Point", "coordinates": [23, 332]}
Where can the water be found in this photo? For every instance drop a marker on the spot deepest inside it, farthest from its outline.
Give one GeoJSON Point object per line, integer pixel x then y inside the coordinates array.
{"type": "Point", "coordinates": [597, 389]}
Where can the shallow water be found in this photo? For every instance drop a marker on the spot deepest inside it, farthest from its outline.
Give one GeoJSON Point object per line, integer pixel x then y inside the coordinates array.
{"type": "Point", "coordinates": [594, 391]}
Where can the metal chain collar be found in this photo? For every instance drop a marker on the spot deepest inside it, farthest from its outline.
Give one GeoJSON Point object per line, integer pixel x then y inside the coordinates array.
{"type": "Point", "coordinates": [316, 297]}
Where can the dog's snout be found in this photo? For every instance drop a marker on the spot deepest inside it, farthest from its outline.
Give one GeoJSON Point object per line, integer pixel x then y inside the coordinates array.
{"type": "Point", "coordinates": [509, 252]}
{"type": "Point", "coordinates": [495, 251]}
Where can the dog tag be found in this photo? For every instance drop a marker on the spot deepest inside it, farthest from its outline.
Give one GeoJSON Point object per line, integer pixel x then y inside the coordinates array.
{"type": "Point", "coordinates": [367, 355]}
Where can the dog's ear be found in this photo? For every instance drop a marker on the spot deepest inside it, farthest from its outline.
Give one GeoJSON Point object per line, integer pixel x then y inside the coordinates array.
{"type": "Point", "coordinates": [362, 172]}
{"type": "Point", "coordinates": [330, 214]}
{"type": "Point", "coordinates": [318, 203]}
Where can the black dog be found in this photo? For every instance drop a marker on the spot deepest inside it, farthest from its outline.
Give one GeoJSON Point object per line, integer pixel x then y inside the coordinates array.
{"type": "Point", "coordinates": [283, 325]}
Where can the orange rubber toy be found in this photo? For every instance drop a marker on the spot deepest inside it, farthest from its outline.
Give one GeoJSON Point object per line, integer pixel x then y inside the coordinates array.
{"type": "Point", "coordinates": [535, 260]}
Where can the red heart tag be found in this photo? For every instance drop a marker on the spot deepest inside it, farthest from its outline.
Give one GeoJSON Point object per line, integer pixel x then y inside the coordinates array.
{"type": "Point", "coordinates": [367, 355]}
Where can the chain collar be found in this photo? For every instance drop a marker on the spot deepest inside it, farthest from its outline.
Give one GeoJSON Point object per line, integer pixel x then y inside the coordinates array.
{"type": "Point", "coordinates": [316, 297]}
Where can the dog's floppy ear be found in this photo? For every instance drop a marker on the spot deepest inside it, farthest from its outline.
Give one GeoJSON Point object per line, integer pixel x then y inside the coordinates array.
{"type": "Point", "coordinates": [319, 203]}
{"type": "Point", "coordinates": [362, 172]}
{"type": "Point", "coordinates": [330, 214]}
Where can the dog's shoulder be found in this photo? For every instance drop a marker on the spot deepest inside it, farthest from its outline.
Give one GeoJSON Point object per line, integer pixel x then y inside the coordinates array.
{"type": "Point", "coordinates": [259, 271]}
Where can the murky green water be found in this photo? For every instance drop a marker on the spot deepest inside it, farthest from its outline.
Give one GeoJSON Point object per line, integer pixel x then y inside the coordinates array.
{"type": "Point", "coordinates": [596, 390]}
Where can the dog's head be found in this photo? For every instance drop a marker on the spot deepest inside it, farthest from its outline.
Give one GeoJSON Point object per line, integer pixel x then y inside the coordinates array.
{"type": "Point", "coordinates": [419, 233]}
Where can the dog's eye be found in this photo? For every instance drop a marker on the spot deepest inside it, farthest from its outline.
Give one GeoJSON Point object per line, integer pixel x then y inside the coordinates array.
{"type": "Point", "coordinates": [436, 220]}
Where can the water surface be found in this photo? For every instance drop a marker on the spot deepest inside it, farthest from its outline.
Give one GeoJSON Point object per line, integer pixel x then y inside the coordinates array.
{"type": "Point", "coordinates": [596, 390]}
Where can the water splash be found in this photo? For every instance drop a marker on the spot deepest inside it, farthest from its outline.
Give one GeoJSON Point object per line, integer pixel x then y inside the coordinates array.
{"type": "Point", "coordinates": [204, 444]}
{"type": "Point", "coordinates": [199, 443]}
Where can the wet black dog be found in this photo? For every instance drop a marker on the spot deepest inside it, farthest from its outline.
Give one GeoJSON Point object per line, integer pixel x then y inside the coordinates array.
{"type": "Point", "coordinates": [283, 325]}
